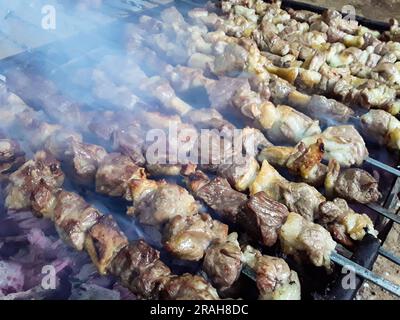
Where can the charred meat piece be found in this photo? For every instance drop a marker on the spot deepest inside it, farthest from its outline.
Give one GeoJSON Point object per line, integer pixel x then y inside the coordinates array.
{"type": "Point", "coordinates": [298, 236]}
{"type": "Point", "coordinates": [103, 242]}
{"type": "Point", "coordinates": [139, 268]}
{"type": "Point", "coordinates": [156, 202]}
{"type": "Point", "coordinates": [188, 287]}
{"type": "Point", "coordinates": [262, 218]}
{"type": "Point", "coordinates": [188, 237]}
{"type": "Point", "coordinates": [41, 171]}
{"type": "Point", "coordinates": [275, 280]}
{"type": "Point", "coordinates": [217, 194]}
{"type": "Point", "coordinates": [223, 262]}
{"type": "Point", "coordinates": [73, 217]}
{"type": "Point", "coordinates": [114, 174]}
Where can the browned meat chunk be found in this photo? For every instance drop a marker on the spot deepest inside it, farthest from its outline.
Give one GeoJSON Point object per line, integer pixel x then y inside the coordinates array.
{"type": "Point", "coordinates": [262, 218]}
{"type": "Point", "coordinates": [11, 155]}
{"type": "Point", "coordinates": [275, 280]}
{"type": "Point", "coordinates": [188, 237]}
{"type": "Point", "coordinates": [73, 217]}
{"type": "Point", "coordinates": [85, 160]}
{"type": "Point", "coordinates": [103, 242]}
{"type": "Point", "coordinates": [240, 172]}
{"type": "Point", "coordinates": [139, 268]}
{"type": "Point", "coordinates": [298, 236]}
{"type": "Point", "coordinates": [188, 287]}
{"type": "Point", "coordinates": [223, 262]}
{"type": "Point", "coordinates": [156, 202]}
{"type": "Point", "coordinates": [114, 174]}
{"type": "Point", "coordinates": [24, 182]}
{"type": "Point", "coordinates": [217, 194]}
{"type": "Point", "coordinates": [357, 185]}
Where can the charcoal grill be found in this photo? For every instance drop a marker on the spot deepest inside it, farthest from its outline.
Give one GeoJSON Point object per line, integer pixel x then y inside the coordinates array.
{"type": "Point", "coordinates": [47, 60]}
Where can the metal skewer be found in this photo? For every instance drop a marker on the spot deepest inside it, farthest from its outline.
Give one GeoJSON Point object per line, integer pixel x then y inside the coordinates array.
{"type": "Point", "coordinates": [384, 212]}
{"type": "Point", "coordinates": [366, 274]}
{"type": "Point", "coordinates": [383, 166]}
{"type": "Point", "coordinates": [390, 256]}
{"type": "Point", "coordinates": [344, 262]}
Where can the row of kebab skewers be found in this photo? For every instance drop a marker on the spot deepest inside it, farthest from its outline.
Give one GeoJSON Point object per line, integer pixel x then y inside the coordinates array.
{"type": "Point", "coordinates": [276, 208]}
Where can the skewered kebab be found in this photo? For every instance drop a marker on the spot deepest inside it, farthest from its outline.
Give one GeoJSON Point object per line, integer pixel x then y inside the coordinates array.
{"type": "Point", "coordinates": [315, 172]}
{"type": "Point", "coordinates": [64, 216]}
{"type": "Point", "coordinates": [193, 231]}
{"type": "Point", "coordinates": [352, 184]}
{"type": "Point", "coordinates": [281, 34]}
{"type": "Point", "coordinates": [321, 78]}
{"type": "Point", "coordinates": [237, 62]}
{"type": "Point", "coordinates": [136, 264]}
{"type": "Point", "coordinates": [200, 246]}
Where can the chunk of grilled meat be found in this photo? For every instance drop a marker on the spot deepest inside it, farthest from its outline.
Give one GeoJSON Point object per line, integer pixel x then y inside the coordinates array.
{"type": "Point", "coordinates": [73, 217]}
{"type": "Point", "coordinates": [342, 143]}
{"type": "Point", "coordinates": [103, 242]}
{"type": "Point", "coordinates": [217, 194]}
{"type": "Point", "coordinates": [352, 184]}
{"type": "Point", "coordinates": [11, 155]}
{"type": "Point", "coordinates": [382, 127]}
{"type": "Point", "coordinates": [356, 225]}
{"type": "Point", "coordinates": [188, 287]}
{"type": "Point", "coordinates": [298, 197]}
{"type": "Point", "coordinates": [275, 280]}
{"type": "Point", "coordinates": [298, 236]}
{"type": "Point", "coordinates": [188, 237]}
{"type": "Point", "coordinates": [357, 185]}
{"type": "Point", "coordinates": [223, 262]}
{"type": "Point", "coordinates": [156, 202]}
{"type": "Point", "coordinates": [84, 160]}
{"type": "Point", "coordinates": [114, 174]}
{"type": "Point", "coordinates": [138, 266]}
{"type": "Point", "coordinates": [262, 218]}
{"type": "Point", "coordinates": [42, 172]}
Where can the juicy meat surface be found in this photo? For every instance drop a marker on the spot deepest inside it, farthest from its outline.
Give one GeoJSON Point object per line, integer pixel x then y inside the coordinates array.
{"type": "Point", "coordinates": [114, 174]}
{"type": "Point", "coordinates": [188, 237]}
{"type": "Point", "coordinates": [188, 287]}
{"type": "Point", "coordinates": [223, 262]}
{"type": "Point", "coordinates": [262, 218]}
